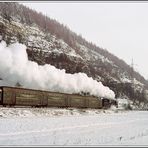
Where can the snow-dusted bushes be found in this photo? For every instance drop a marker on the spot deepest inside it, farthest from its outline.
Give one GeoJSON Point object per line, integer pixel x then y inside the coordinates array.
{"type": "Point", "coordinates": [124, 104]}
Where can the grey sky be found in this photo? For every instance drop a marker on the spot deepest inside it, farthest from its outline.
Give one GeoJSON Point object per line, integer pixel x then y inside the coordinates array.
{"type": "Point", "coordinates": [119, 27]}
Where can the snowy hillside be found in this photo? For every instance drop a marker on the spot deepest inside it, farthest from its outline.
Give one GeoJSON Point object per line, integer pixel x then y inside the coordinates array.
{"type": "Point", "coordinates": [49, 42]}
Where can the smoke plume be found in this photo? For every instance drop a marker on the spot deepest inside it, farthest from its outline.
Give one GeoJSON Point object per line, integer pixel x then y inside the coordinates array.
{"type": "Point", "coordinates": [16, 68]}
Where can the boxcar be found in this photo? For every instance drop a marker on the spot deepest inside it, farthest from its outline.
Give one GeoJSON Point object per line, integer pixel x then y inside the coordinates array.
{"type": "Point", "coordinates": [13, 96]}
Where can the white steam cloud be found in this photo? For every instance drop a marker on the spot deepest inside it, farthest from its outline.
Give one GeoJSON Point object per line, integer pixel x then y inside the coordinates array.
{"type": "Point", "coordinates": [15, 67]}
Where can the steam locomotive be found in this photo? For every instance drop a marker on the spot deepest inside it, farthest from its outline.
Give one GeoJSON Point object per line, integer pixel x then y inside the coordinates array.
{"type": "Point", "coordinates": [16, 96]}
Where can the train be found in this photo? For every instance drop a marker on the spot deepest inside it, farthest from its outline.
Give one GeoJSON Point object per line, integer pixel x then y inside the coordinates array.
{"type": "Point", "coordinates": [16, 96]}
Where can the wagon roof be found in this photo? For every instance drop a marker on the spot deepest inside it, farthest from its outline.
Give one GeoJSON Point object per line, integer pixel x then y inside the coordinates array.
{"type": "Point", "coordinates": [29, 89]}
{"type": "Point", "coordinates": [22, 88]}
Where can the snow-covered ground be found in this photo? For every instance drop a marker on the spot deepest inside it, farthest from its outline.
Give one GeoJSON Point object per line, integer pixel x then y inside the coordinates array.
{"type": "Point", "coordinates": [73, 127]}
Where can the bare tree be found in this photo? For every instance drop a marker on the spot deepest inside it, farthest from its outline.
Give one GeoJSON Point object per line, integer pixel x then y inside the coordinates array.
{"type": "Point", "coordinates": [7, 10]}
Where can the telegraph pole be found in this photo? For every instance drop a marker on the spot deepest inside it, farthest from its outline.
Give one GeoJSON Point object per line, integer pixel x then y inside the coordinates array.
{"type": "Point", "coordinates": [132, 72]}
{"type": "Point", "coordinates": [132, 80]}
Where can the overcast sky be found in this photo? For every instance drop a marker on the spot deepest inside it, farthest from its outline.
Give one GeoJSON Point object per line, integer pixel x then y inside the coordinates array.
{"type": "Point", "coordinates": [119, 27]}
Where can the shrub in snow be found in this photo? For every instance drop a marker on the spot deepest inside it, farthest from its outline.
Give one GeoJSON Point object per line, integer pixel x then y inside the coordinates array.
{"type": "Point", "coordinates": [114, 108]}
{"type": "Point", "coordinates": [124, 104]}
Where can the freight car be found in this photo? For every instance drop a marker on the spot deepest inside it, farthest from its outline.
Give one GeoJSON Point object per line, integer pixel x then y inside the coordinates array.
{"type": "Point", "coordinates": [13, 96]}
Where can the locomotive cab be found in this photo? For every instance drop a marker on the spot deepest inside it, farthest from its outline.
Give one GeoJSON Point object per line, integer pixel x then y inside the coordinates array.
{"type": "Point", "coordinates": [105, 102]}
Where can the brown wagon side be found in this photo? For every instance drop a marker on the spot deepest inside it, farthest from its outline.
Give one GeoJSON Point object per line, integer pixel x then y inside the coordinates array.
{"type": "Point", "coordinates": [21, 97]}
{"type": "Point", "coordinates": [56, 99]}
{"type": "Point", "coordinates": [13, 96]}
{"type": "Point", "coordinates": [94, 102]}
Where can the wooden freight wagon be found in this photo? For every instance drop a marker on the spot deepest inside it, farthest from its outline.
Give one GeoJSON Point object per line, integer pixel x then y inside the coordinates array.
{"type": "Point", "coordinates": [13, 96]}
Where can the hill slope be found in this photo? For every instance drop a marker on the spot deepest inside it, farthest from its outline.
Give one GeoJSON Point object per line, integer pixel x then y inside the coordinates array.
{"type": "Point", "coordinates": [53, 43]}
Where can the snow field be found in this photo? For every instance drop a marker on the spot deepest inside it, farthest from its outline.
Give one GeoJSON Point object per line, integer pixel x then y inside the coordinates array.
{"type": "Point", "coordinates": [81, 129]}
